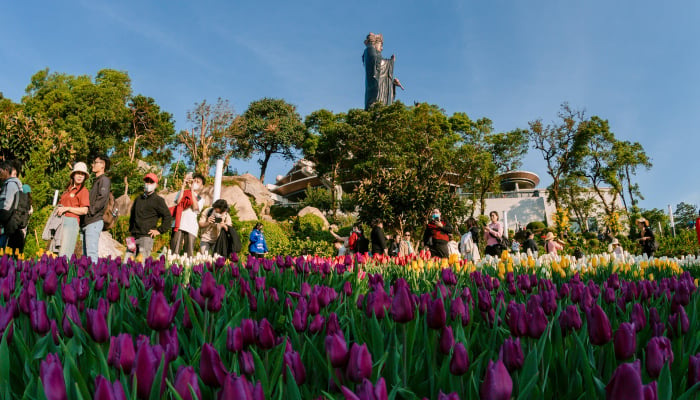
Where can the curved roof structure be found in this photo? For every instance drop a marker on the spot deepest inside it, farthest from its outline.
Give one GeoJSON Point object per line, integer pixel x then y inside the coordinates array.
{"type": "Point", "coordinates": [519, 180]}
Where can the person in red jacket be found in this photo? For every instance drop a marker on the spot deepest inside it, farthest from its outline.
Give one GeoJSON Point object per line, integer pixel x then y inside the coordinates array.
{"type": "Point", "coordinates": [437, 234]}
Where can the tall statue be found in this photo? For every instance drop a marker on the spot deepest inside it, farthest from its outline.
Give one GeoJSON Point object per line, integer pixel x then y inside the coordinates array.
{"type": "Point", "coordinates": [380, 84]}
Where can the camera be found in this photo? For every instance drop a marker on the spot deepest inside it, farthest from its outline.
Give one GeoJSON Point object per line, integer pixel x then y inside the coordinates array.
{"type": "Point", "coordinates": [217, 220]}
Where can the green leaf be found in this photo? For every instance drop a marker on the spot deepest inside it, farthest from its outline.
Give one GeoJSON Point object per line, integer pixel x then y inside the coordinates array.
{"type": "Point", "coordinates": [5, 381]}
{"type": "Point", "coordinates": [529, 374]}
{"type": "Point", "coordinates": [665, 386]}
{"type": "Point", "coordinates": [690, 393]}
{"type": "Point", "coordinates": [155, 390]}
{"type": "Point", "coordinates": [292, 388]}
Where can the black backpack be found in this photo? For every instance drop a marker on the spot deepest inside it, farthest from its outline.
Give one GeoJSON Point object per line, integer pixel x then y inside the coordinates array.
{"type": "Point", "coordinates": [362, 244]}
{"type": "Point", "coordinates": [19, 217]}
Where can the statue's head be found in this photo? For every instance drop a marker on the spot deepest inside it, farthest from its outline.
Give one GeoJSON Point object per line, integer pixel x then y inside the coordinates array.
{"type": "Point", "coordinates": [376, 40]}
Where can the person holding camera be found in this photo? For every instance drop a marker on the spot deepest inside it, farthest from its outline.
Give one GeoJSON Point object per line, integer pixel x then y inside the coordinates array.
{"type": "Point", "coordinates": [188, 204]}
{"type": "Point", "coordinates": [437, 234]}
{"type": "Point", "coordinates": [212, 221]}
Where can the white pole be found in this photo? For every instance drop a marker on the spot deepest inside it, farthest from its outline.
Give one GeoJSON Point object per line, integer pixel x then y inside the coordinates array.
{"type": "Point", "coordinates": [55, 198]}
{"type": "Point", "coordinates": [217, 179]}
{"type": "Point", "coordinates": [505, 222]}
{"type": "Point", "coordinates": [673, 224]}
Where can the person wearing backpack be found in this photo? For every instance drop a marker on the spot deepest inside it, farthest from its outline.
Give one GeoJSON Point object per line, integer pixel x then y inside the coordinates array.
{"type": "Point", "coordinates": [11, 186]}
{"type": "Point", "coordinates": [92, 222]}
{"type": "Point", "coordinates": [72, 205]}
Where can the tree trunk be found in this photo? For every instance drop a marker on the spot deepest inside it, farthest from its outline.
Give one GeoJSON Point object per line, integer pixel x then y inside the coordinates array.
{"type": "Point", "coordinates": [263, 165]}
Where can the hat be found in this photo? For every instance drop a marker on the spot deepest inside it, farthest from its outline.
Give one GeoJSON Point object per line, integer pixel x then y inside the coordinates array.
{"type": "Point", "coordinates": [643, 221]}
{"type": "Point", "coordinates": [151, 176]}
{"type": "Point", "coordinates": [26, 188]}
{"type": "Point", "coordinates": [615, 242]}
{"type": "Point", "coordinates": [79, 167]}
{"type": "Point", "coordinates": [550, 236]}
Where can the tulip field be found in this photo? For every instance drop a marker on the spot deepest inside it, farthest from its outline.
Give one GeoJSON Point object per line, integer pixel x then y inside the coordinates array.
{"type": "Point", "coordinates": [349, 327]}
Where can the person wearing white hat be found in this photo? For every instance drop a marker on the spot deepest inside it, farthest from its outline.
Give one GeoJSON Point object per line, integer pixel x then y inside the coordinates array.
{"type": "Point", "coordinates": [551, 244]}
{"type": "Point", "coordinates": [615, 248]}
{"type": "Point", "coordinates": [73, 203]}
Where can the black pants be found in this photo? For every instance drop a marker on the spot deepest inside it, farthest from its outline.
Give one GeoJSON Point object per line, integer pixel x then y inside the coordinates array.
{"type": "Point", "coordinates": [439, 249]}
{"type": "Point", "coordinates": [493, 250]}
{"type": "Point", "coordinates": [176, 242]}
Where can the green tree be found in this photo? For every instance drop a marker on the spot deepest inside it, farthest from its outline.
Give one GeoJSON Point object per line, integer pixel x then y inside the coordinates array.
{"type": "Point", "coordinates": [272, 126]}
{"type": "Point", "coordinates": [685, 214]}
{"type": "Point", "coordinates": [628, 157]}
{"type": "Point", "coordinates": [93, 113]}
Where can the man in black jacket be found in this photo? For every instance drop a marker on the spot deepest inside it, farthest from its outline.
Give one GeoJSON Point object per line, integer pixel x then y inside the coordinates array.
{"type": "Point", "coordinates": [92, 223]}
{"type": "Point", "coordinates": [378, 238]}
{"type": "Point", "coordinates": [529, 246]}
{"type": "Point", "coordinates": [145, 213]}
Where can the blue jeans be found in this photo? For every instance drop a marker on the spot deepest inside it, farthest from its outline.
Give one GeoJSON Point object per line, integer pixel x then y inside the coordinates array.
{"type": "Point", "coordinates": [91, 239]}
{"type": "Point", "coordinates": [69, 236]}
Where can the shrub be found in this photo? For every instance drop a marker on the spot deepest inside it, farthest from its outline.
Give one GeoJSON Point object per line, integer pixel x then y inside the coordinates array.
{"type": "Point", "coordinates": [275, 236]}
{"type": "Point", "coordinates": [282, 213]}
{"type": "Point", "coordinates": [33, 241]}
{"type": "Point", "coordinates": [536, 226]}
{"type": "Point", "coordinates": [319, 197]}
{"type": "Point", "coordinates": [298, 247]}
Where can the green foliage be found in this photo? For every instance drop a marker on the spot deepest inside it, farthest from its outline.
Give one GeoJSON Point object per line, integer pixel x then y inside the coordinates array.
{"type": "Point", "coordinates": [684, 243]}
{"type": "Point", "coordinates": [275, 235]}
{"type": "Point", "coordinates": [282, 213]}
{"type": "Point", "coordinates": [37, 221]}
{"type": "Point", "coordinates": [536, 226]}
{"type": "Point", "coordinates": [685, 215]}
{"type": "Point", "coordinates": [304, 246]}
{"type": "Point", "coordinates": [319, 197]}
{"type": "Point", "coordinates": [272, 126]}
{"type": "Point", "coordinates": [311, 226]}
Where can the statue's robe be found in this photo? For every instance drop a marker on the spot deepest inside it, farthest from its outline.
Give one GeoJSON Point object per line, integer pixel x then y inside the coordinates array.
{"type": "Point", "coordinates": [379, 78]}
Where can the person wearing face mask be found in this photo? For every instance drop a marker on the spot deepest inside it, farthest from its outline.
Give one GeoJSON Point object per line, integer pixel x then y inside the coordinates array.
{"type": "Point", "coordinates": [143, 221]}
{"type": "Point", "coordinates": [212, 221]}
{"type": "Point", "coordinates": [73, 203]}
{"type": "Point", "coordinates": [437, 234]}
{"type": "Point", "coordinates": [189, 203]}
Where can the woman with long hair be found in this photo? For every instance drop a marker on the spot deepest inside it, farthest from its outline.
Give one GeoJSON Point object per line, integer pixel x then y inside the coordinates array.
{"type": "Point", "coordinates": [492, 234]}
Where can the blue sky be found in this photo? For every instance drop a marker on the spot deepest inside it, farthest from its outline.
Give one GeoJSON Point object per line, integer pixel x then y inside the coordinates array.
{"type": "Point", "coordinates": [634, 63]}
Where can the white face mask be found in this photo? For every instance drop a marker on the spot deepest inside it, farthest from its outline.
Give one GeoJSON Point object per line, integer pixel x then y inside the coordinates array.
{"type": "Point", "coordinates": [149, 187]}
{"type": "Point", "coordinates": [196, 186]}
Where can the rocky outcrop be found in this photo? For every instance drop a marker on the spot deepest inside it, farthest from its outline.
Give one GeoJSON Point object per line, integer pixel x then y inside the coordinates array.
{"type": "Point", "coordinates": [234, 196]}
{"type": "Point", "coordinates": [254, 188]}
{"type": "Point", "coordinates": [315, 211]}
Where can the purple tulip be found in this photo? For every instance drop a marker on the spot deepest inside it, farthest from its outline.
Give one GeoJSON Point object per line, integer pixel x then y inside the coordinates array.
{"type": "Point", "coordinates": [693, 370]}
{"type": "Point", "coordinates": [249, 330]}
{"type": "Point", "coordinates": [7, 313]}
{"type": "Point", "coordinates": [599, 329]}
{"type": "Point", "coordinates": [169, 341]}
{"type": "Point", "coordinates": [113, 294]}
{"type": "Point", "coordinates": [234, 339]}
{"type": "Point", "coordinates": [38, 318]}
{"type": "Point", "coordinates": [402, 307]}
{"type": "Point", "coordinates": [51, 374]}
{"type": "Point", "coordinates": [536, 320]}
{"type": "Point", "coordinates": [266, 335]}
{"type": "Point", "coordinates": [436, 315]}
{"type": "Point", "coordinates": [70, 313]}
{"type": "Point", "coordinates": [186, 380]}
{"type": "Point", "coordinates": [208, 286]}
{"type": "Point", "coordinates": [625, 341]}
{"type": "Point", "coordinates": [148, 360]}
{"type": "Point", "coordinates": [332, 324]}
{"type": "Point", "coordinates": [484, 300]}
{"type": "Point", "coordinates": [447, 340]}
{"type": "Point", "coordinates": [678, 323]}
{"type": "Point", "coordinates": [238, 387]}
{"type": "Point", "coordinates": [626, 382]}
{"type": "Point", "coordinates": [104, 389]}
{"type": "Point", "coordinates": [512, 354]}
{"type": "Point", "coordinates": [360, 363]}
{"type": "Point", "coordinates": [160, 313]}
{"type": "Point", "coordinates": [516, 319]}
{"type": "Point", "coordinates": [300, 320]}
{"type": "Point", "coordinates": [449, 396]}
{"type": "Point", "coordinates": [365, 391]}
{"type": "Point", "coordinates": [246, 363]}
{"type": "Point", "coordinates": [459, 363]}
{"type": "Point", "coordinates": [650, 391]}
{"type": "Point", "coordinates": [292, 360]}
{"type": "Point", "coordinates": [637, 317]}
{"type": "Point", "coordinates": [211, 368]}
{"type": "Point", "coordinates": [97, 322]}
{"type": "Point", "coordinates": [377, 302]}
{"type": "Point", "coordinates": [459, 311]}
{"type": "Point", "coordinates": [448, 277]}
{"type": "Point", "coordinates": [337, 350]}
{"type": "Point", "coordinates": [658, 352]}
{"type": "Point", "coordinates": [50, 284]}
{"type": "Point", "coordinates": [497, 384]}
{"type": "Point", "coordinates": [317, 324]}
{"type": "Point", "coordinates": [121, 352]}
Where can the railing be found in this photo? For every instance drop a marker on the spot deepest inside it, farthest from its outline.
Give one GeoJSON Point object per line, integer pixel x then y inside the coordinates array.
{"type": "Point", "coordinates": [509, 195]}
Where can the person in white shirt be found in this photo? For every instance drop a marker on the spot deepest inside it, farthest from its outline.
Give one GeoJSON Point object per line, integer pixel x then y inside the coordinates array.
{"type": "Point", "coordinates": [186, 233]}
{"type": "Point", "coordinates": [467, 248]}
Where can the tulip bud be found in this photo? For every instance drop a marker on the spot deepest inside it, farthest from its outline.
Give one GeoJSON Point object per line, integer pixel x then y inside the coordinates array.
{"type": "Point", "coordinates": [658, 353]}
{"type": "Point", "coordinates": [459, 363]}
{"type": "Point", "coordinates": [516, 319]}
{"type": "Point", "coordinates": [211, 368]}
{"type": "Point", "coordinates": [169, 341]}
{"type": "Point", "coordinates": [625, 383]}
{"type": "Point", "coordinates": [536, 320]}
{"type": "Point", "coordinates": [51, 373]}
{"type": "Point", "coordinates": [70, 313]}
{"type": "Point", "coordinates": [121, 352]}
{"type": "Point", "coordinates": [402, 307]}
{"type": "Point", "coordinates": [497, 384]}
{"type": "Point", "coordinates": [447, 340]}
{"type": "Point", "coordinates": [246, 363]}
{"type": "Point", "coordinates": [637, 317]}
{"type": "Point", "coordinates": [50, 283]}
{"type": "Point", "coordinates": [38, 317]}
{"type": "Point", "coordinates": [186, 380]}
{"type": "Point", "coordinates": [512, 354]}
{"type": "Point", "coordinates": [337, 350]}
{"type": "Point", "coordinates": [599, 329]}
{"type": "Point", "coordinates": [97, 325]}
{"type": "Point", "coordinates": [148, 360]}
{"type": "Point", "coordinates": [266, 335]}
{"type": "Point", "coordinates": [234, 339]}
{"type": "Point", "coordinates": [436, 315]}
{"type": "Point", "coordinates": [106, 390]}
{"type": "Point", "coordinates": [160, 313]}
{"type": "Point", "coordinates": [650, 391]}
{"type": "Point", "coordinates": [292, 360]}
{"type": "Point", "coordinates": [625, 341]}
{"type": "Point", "coordinates": [693, 370]}
{"type": "Point", "coordinates": [360, 363]}
{"type": "Point", "coordinates": [317, 324]}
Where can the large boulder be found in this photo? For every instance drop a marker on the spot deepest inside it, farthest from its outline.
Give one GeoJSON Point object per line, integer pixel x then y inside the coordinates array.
{"type": "Point", "coordinates": [123, 203]}
{"type": "Point", "coordinates": [108, 247]}
{"type": "Point", "coordinates": [232, 194]}
{"type": "Point", "coordinates": [254, 188]}
{"type": "Point", "coordinates": [315, 211]}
